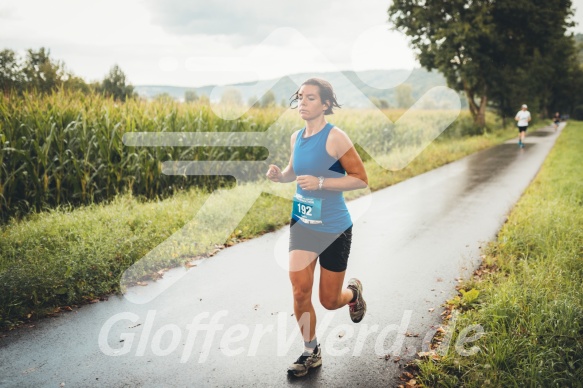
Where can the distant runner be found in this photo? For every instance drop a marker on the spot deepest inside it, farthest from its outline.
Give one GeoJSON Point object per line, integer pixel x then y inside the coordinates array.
{"type": "Point", "coordinates": [523, 117]}
{"type": "Point", "coordinates": [325, 163]}
{"type": "Point", "coordinates": [557, 120]}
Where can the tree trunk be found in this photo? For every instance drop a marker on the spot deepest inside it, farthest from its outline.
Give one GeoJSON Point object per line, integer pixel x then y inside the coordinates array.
{"type": "Point", "coordinates": [478, 111]}
{"type": "Point", "coordinates": [480, 119]}
{"type": "Point", "coordinates": [471, 103]}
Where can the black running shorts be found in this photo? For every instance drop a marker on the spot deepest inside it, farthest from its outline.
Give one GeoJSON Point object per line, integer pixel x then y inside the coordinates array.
{"type": "Point", "coordinates": [333, 248]}
{"type": "Point", "coordinates": [522, 129]}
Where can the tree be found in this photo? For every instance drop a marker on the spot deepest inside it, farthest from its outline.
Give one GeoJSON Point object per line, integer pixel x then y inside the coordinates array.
{"type": "Point", "coordinates": [232, 96]}
{"type": "Point", "coordinates": [254, 102]}
{"type": "Point", "coordinates": [268, 99]}
{"type": "Point", "coordinates": [538, 33]}
{"type": "Point", "coordinates": [38, 72]}
{"type": "Point", "coordinates": [164, 98]}
{"type": "Point", "coordinates": [566, 89]}
{"type": "Point", "coordinates": [76, 83]}
{"type": "Point", "coordinates": [404, 96]}
{"type": "Point", "coordinates": [487, 49]}
{"type": "Point", "coordinates": [11, 77]}
{"type": "Point", "coordinates": [190, 95]}
{"type": "Point", "coordinates": [204, 100]}
{"type": "Point", "coordinates": [579, 47]}
{"type": "Point", "coordinates": [114, 84]}
{"type": "Point", "coordinates": [380, 103]}
{"type": "Point", "coordinates": [41, 73]}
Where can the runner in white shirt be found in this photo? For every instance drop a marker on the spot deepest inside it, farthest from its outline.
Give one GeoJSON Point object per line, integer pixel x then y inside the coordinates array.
{"type": "Point", "coordinates": [523, 117]}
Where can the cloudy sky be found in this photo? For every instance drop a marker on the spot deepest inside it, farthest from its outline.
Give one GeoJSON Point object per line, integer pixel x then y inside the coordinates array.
{"type": "Point", "coordinates": [195, 43]}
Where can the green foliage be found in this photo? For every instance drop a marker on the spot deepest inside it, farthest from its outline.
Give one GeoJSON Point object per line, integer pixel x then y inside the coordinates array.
{"type": "Point", "coordinates": [404, 96]}
{"type": "Point", "coordinates": [11, 76]}
{"type": "Point", "coordinates": [114, 85]}
{"type": "Point", "coordinates": [42, 73]}
{"type": "Point", "coordinates": [565, 95]}
{"type": "Point", "coordinates": [268, 99]}
{"type": "Point", "coordinates": [502, 53]}
{"type": "Point", "coordinates": [380, 103]}
{"type": "Point", "coordinates": [466, 300]}
{"type": "Point", "coordinates": [163, 98]}
{"type": "Point", "coordinates": [204, 100]}
{"type": "Point", "coordinates": [37, 73]}
{"type": "Point", "coordinates": [78, 256]}
{"type": "Point", "coordinates": [579, 46]}
{"type": "Point", "coordinates": [578, 112]}
{"type": "Point", "coordinates": [190, 96]}
{"type": "Point", "coordinates": [232, 97]}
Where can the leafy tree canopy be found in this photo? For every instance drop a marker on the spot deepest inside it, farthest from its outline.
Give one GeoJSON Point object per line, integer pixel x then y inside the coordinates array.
{"type": "Point", "coordinates": [499, 51]}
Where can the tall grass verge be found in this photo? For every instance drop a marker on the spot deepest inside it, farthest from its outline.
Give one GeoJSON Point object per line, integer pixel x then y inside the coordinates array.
{"type": "Point", "coordinates": [530, 290]}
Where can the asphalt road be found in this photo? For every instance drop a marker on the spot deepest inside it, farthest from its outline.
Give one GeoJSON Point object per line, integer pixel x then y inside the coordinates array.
{"type": "Point", "coordinates": [228, 321]}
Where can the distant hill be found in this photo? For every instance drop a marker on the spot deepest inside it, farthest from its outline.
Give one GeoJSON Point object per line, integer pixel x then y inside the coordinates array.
{"type": "Point", "coordinates": [349, 86]}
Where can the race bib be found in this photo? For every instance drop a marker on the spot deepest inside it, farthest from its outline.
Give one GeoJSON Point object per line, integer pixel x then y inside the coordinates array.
{"type": "Point", "coordinates": [307, 209]}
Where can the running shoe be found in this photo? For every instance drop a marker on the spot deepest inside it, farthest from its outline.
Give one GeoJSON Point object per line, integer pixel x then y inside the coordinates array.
{"type": "Point", "coordinates": [357, 308]}
{"type": "Point", "coordinates": [304, 363]}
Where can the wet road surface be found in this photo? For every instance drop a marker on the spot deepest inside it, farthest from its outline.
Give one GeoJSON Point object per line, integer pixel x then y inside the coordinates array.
{"type": "Point", "coordinates": [228, 322]}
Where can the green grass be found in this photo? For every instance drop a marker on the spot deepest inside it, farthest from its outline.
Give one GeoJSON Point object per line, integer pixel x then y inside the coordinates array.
{"type": "Point", "coordinates": [70, 256]}
{"type": "Point", "coordinates": [531, 289]}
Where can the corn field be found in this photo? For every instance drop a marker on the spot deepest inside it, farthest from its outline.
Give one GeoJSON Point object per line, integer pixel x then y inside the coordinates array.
{"type": "Point", "coordinates": [67, 149]}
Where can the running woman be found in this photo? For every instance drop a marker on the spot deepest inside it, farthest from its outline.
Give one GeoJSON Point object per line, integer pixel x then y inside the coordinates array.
{"type": "Point", "coordinates": [324, 163]}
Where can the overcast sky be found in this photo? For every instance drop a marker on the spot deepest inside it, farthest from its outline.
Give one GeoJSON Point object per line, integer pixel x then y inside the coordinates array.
{"type": "Point", "coordinates": [195, 42]}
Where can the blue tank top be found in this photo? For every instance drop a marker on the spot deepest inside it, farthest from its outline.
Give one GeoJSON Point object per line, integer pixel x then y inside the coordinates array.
{"type": "Point", "coordinates": [311, 158]}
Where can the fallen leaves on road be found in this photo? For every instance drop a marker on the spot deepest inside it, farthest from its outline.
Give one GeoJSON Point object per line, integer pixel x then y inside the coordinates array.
{"type": "Point", "coordinates": [214, 252]}
{"type": "Point", "coordinates": [429, 355]}
{"type": "Point", "coordinates": [409, 378]}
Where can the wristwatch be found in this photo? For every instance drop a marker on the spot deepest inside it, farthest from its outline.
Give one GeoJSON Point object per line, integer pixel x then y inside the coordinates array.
{"type": "Point", "coordinates": [320, 182]}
